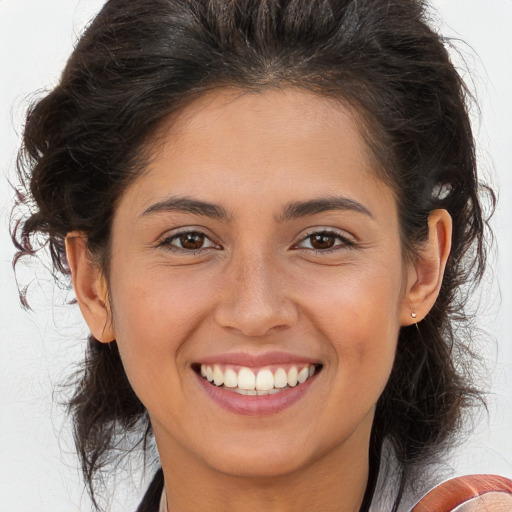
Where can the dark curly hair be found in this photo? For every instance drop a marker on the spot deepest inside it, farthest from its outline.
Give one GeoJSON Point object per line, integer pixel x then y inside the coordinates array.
{"type": "Point", "coordinates": [141, 61]}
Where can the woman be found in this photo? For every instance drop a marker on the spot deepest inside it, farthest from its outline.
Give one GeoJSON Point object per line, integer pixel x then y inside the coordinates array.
{"type": "Point", "coordinates": [268, 210]}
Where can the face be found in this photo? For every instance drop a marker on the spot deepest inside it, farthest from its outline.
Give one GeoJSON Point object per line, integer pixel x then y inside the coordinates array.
{"type": "Point", "coordinates": [257, 245]}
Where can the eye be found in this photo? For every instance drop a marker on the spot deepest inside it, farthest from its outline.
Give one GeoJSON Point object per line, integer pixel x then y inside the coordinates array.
{"type": "Point", "coordinates": [188, 241]}
{"type": "Point", "coordinates": [324, 241]}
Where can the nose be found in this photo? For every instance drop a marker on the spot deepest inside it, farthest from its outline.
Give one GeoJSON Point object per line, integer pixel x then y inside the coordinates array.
{"type": "Point", "coordinates": [254, 299]}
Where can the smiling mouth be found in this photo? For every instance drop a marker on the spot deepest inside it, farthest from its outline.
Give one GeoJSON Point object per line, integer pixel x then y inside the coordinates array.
{"type": "Point", "coordinates": [249, 381]}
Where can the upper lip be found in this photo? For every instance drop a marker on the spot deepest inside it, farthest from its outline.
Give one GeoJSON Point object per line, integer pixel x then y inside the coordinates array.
{"type": "Point", "coordinates": [258, 360]}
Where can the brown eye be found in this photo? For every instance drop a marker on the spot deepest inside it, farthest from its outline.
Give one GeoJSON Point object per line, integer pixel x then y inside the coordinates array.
{"type": "Point", "coordinates": [326, 241]}
{"type": "Point", "coordinates": [192, 241]}
{"type": "Point", "coordinates": [323, 241]}
{"type": "Point", "coordinates": [188, 241]}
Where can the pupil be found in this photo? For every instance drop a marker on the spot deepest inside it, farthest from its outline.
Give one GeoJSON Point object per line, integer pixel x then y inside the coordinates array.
{"type": "Point", "coordinates": [322, 241]}
{"type": "Point", "coordinates": [192, 240]}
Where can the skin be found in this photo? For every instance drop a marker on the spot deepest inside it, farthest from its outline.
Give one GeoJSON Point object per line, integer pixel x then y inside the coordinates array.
{"type": "Point", "coordinates": [258, 285]}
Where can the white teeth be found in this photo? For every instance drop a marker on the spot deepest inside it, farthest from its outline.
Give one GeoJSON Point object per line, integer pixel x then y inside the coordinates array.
{"type": "Point", "coordinates": [264, 380]}
{"type": "Point", "coordinates": [241, 391]}
{"type": "Point", "coordinates": [280, 378]}
{"type": "Point", "coordinates": [246, 379]}
{"type": "Point", "coordinates": [303, 375]}
{"type": "Point", "coordinates": [230, 378]}
{"type": "Point", "coordinates": [263, 383]}
{"type": "Point", "coordinates": [218, 376]}
{"type": "Point", "coordinates": [292, 376]}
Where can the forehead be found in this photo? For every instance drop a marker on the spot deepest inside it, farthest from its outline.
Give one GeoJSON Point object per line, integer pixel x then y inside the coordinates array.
{"type": "Point", "coordinates": [280, 144]}
{"type": "Point", "coordinates": [232, 124]}
{"type": "Point", "coordinates": [284, 108]}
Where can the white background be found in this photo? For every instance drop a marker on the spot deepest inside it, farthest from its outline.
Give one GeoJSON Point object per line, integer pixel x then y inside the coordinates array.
{"type": "Point", "coordinates": [38, 470]}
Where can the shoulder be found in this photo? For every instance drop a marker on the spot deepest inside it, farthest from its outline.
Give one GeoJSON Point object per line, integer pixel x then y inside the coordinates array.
{"type": "Point", "coordinates": [471, 493]}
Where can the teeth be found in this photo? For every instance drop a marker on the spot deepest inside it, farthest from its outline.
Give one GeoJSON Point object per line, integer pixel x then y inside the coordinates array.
{"type": "Point", "coordinates": [241, 391]}
{"type": "Point", "coordinates": [264, 380]}
{"type": "Point", "coordinates": [280, 379]}
{"type": "Point", "coordinates": [230, 378]}
{"type": "Point", "coordinates": [303, 375]}
{"type": "Point", "coordinates": [292, 376]}
{"type": "Point", "coordinates": [246, 382]}
{"type": "Point", "coordinates": [246, 379]}
{"type": "Point", "coordinates": [218, 376]}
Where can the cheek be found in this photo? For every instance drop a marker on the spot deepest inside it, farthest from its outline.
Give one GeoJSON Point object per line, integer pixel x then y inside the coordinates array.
{"type": "Point", "coordinates": [366, 302]}
{"type": "Point", "coordinates": [153, 318]}
{"type": "Point", "coordinates": [359, 315]}
{"type": "Point", "coordinates": [154, 305]}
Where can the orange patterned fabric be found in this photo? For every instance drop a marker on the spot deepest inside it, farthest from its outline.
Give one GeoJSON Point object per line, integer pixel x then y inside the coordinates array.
{"type": "Point", "coordinates": [455, 492]}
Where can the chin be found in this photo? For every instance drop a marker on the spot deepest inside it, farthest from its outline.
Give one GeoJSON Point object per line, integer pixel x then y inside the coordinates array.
{"type": "Point", "coordinates": [270, 460]}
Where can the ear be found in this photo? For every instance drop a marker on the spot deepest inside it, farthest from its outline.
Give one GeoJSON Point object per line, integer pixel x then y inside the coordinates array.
{"type": "Point", "coordinates": [90, 287]}
{"type": "Point", "coordinates": [425, 274]}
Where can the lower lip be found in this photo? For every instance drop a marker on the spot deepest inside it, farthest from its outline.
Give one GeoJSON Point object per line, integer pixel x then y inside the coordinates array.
{"type": "Point", "coordinates": [250, 405]}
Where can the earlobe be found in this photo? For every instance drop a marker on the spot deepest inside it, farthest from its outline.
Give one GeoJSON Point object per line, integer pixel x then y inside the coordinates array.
{"type": "Point", "coordinates": [90, 287]}
{"type": "Point", "coordinates": [425, 274]}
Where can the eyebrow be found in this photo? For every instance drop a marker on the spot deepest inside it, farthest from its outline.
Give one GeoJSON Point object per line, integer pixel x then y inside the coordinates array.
{"type": "Point", "coordinates": [300, 209]}
{"type": "Point", "coordinates": [187, 205]}
{"type": "Point", "coordinates": [291, 211]}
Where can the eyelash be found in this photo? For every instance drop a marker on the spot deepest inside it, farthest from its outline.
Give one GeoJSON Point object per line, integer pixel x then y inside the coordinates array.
{"type": "Point", "coordinates": [167, 243]}
{"type": "Point", "coordinates": [345, 242]}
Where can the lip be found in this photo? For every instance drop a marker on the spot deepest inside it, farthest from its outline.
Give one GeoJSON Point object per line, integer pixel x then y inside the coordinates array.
{"type": "Point", "coordinates": [253, 360]}
{"type": "Point", "coordinates": [249, 405]}
{"type": "Point", "coordinates": [255, 405]}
